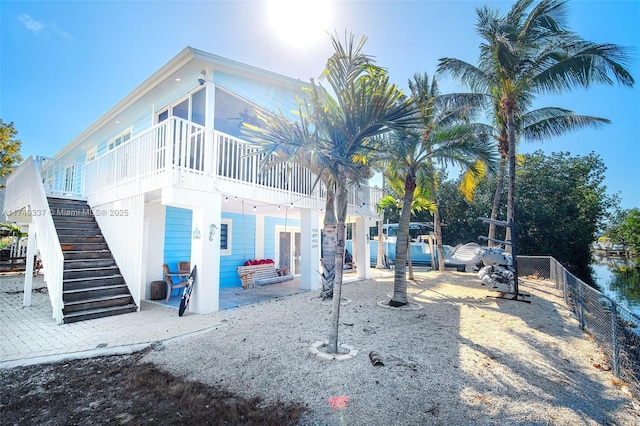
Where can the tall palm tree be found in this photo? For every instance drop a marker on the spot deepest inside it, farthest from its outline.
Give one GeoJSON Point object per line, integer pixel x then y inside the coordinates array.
{"type": "Point", "coordinates": [529, 52]}
{"type": "Point", "coordinates": [443, 135]}
{"type": "Point", "coordinates": [537, 125]}
{"type": "Point", "coordinates": [339, 133]}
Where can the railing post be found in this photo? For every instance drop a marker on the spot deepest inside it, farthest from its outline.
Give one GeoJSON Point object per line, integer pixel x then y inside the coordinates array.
{"type": "Point", "coordinates": [614, 337]}
{"type": "Point", "coordinates": [581, 305]}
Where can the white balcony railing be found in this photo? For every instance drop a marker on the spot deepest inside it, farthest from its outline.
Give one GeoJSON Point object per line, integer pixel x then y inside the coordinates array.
{"type": "Point", "coordinates": [170, 153]}
{"type": "Point", "coordinates": [177, 152]}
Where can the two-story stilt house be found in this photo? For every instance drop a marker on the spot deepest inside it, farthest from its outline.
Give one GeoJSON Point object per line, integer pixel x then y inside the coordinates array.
{"type": "Point", "coordinates": [165, 176]}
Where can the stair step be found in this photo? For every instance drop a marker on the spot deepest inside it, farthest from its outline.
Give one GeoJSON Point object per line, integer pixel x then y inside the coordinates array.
{"type": "Point", "coordinates": [99, 313]}
{"type": "Point", "coordinates": [63, 220]}
{"type": "Point", "coordinates": [90, 272]}
{"type": "Point", "coordinates": [95, 293]}
{"type": "Point", "coordinates": [84, 246]}
{"type": "Point", "coordinates": [76, 224]}
{"type": "Point", "coordinates": [81, 283]}
{"type": "Point", "coordinates": [89, 263]}
{"type": "Point", "coordinates": [97, 303]}
{"type": "Point", "coordinates": [59, 203]}
{"type": "Point", "coordinates": [82, 255]}
{"type": "Point", "coordinates": [85, 238]}
{"type": "Point", "coordinates": [77, 232]}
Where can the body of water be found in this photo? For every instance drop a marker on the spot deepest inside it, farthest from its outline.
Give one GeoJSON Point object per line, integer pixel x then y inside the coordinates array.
{"type": "Point", "coordinates": [619, 279]}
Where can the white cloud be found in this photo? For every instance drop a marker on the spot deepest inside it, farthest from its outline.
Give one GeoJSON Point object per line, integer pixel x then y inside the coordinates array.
{"type": "Point", "coordinates": [37, 27]}
{"type": "Point", "coordinates": [30, 23]}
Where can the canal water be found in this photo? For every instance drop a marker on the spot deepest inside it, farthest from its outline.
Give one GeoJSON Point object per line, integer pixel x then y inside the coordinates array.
{"type": "Point", "coordinates": [619, 279]}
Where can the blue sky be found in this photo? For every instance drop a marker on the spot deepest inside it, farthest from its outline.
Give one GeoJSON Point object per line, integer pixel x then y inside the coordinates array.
{"type": "Point", "coordinates": [64, 64]}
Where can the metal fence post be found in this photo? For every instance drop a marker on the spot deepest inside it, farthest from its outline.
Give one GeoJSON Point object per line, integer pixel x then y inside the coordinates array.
{"type": "Point", "coordinates": [614, 337]}
{"type": "Point", "coordinates": [581, 304]}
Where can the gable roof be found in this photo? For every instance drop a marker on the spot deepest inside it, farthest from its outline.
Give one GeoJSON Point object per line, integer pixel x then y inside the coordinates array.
{"type": "Point", "coordinates": [180, 74]}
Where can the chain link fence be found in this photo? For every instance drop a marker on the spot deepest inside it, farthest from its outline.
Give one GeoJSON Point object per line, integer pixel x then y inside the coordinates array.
{"type": "Point", "coordinates": [615, 329]}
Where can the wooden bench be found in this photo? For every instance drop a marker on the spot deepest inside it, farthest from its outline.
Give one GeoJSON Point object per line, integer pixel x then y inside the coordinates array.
{"type": "Point", "coordinates": [263, 274]}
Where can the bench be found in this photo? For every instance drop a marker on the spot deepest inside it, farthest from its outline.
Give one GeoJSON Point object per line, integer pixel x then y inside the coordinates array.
{"type": "Point", "coordinates": [266, 273]}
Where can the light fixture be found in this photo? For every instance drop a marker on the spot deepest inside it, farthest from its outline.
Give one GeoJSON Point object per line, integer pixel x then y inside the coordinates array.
{"type": "Point", "coordinates": [202, 78]}
{"type": "Point", "coordinates": [178, 79]}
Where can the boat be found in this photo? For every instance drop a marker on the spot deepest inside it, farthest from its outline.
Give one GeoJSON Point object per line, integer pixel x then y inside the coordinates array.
{"type": "Point", "coordinates": [461, 257]}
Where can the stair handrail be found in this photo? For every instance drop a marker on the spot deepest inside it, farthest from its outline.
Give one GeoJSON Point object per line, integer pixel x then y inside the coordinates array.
{"type": "Point", "coordinates": [25, 194]}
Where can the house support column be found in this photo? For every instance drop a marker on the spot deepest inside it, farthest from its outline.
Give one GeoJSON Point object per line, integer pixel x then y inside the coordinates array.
{"type": "Point", "coordinates": [310, 250]}
{"type": "Point", "coordinates": [205, 253]}
{"type": "Point", "coordinates": [154, 227]}
{"type": "Point", "coordinates": [28, 266]}
{"type": "Point", "coordinates": [361, 248]}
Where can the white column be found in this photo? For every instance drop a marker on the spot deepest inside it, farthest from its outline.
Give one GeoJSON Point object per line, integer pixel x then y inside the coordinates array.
{"type": "Point", "coordinates": [28, 266]}
{"type": "Point", "coordinates": [205, 254]}
{"type": "Point", "coordinates": [210, 150]}
{"type": "Point", "coordinates": [310, 250]}
{"type": "Point", "coordinates": [154, 226]}
{"type": "Point", "coordinates": [260, 237]}
{"type": "Point", "coordinates": [362, 246]}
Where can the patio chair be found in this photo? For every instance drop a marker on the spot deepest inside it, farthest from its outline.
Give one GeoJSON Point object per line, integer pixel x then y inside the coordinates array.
{"type": "Point", "coordinates": [168, 278]}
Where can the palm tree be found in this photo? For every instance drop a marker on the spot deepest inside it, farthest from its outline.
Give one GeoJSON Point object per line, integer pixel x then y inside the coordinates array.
{"type": "Point", "coordinates": [421, 201]}
{"type": "Point", "coordinates": [443, 135]}
{"type": "Point", "coordinates": [525, 54]}
{"type": "Point", "coordinates": [339, 133]}
{"type": "Point", "coordinates": [537, 125]}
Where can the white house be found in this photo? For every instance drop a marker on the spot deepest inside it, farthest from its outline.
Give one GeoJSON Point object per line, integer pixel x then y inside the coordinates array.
{"type": "Point", "coordinates": [167, 177]}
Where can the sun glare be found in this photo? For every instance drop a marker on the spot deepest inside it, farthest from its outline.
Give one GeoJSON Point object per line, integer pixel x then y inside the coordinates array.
{"type": "Point", "coordinates": [301, 22]}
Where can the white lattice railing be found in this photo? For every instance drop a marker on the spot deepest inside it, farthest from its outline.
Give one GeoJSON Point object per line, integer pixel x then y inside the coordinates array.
{"type": "Point", "coordinates": [25, 192]}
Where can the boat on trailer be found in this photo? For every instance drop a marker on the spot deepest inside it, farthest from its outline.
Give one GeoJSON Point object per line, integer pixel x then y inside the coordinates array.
{"type": "Point", "coordinates": [461, 257]}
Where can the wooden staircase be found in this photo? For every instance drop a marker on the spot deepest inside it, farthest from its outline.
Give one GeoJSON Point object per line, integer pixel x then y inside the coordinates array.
{"type": "Point", "coordinates": [93, 286]}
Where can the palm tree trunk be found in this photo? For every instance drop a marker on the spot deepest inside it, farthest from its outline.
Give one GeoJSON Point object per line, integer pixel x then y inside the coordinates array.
{"type": "Point", "coordinates": [438, 230]}
{"type": "Point", "coordinates": [402, 242]}
{"type": "Point", "coordinates": [496, 199]}
{"type": "Point", "coordinates": [511, 130]}
{"type": "Point", "coordinates": [341, 207]}
{"type": "Point", "coordinates": [437, 226]}
{"type": "Point", "coordinates": [329, 238]}
{"type": "Point", "coordinates": [381, 263]}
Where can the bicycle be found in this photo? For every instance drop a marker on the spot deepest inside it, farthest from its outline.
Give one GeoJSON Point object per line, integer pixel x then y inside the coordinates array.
{"type": "Point", "coordinates": [186, 294]}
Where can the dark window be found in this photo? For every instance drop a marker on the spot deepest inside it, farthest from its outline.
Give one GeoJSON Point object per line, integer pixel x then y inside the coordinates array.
{"type": "Point", "coordinates": [224, 236]}
{"type": "Point", "coordinates": [198, 106]}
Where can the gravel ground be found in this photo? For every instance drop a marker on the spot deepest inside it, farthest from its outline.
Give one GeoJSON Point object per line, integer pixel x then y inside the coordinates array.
{"type": "Point", "coordinates": [461, 358]}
